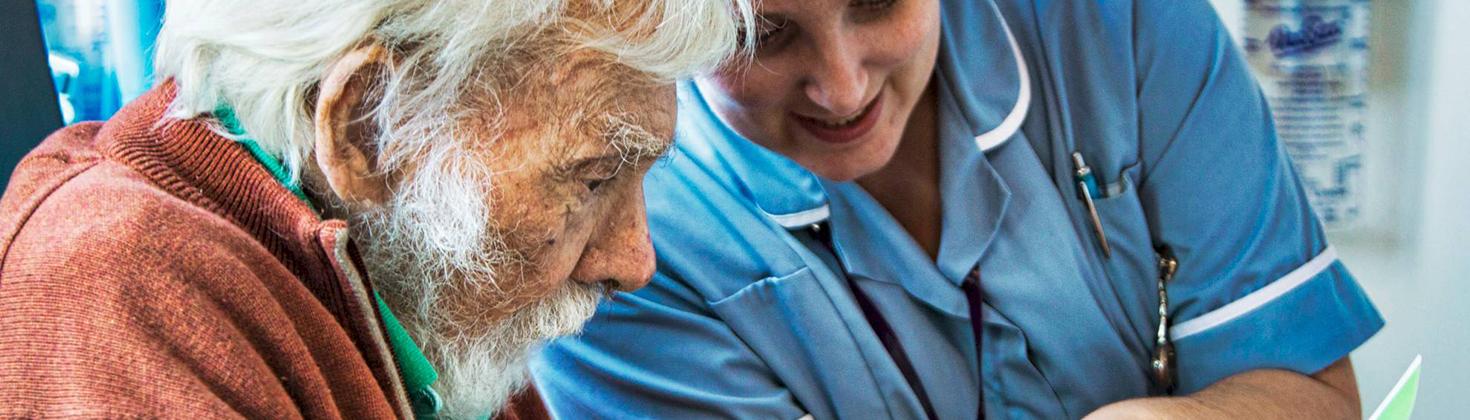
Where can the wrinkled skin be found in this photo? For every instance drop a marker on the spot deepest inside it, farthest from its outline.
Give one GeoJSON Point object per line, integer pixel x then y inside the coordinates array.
{"type": "Point", "coordinates": [567, 202]}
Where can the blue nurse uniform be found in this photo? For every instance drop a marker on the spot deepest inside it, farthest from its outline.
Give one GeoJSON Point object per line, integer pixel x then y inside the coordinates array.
{"type": "Point", "coordinates": [747, 319]}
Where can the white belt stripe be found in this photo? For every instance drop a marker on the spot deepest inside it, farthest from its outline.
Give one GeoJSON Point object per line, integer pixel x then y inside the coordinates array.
{"type": "Point", "coordinates": [1256, 299]}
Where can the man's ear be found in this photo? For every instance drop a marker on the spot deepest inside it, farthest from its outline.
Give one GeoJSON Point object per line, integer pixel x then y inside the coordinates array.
{"type": "Point", "coordinates": [346, 130]}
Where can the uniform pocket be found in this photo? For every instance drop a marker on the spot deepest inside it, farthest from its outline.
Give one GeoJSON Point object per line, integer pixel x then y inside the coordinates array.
{"type": "Point", "coordinates": [777, 316]}
{"type": "Point", "coordinates": [1126, 225]}
{"type": "Point", "coordinates": [793, 324]}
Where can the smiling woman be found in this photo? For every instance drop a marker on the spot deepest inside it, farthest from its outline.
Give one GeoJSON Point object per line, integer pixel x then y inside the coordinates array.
{"type": "Point", "coordinates": [947, 209]}
{"type": "Point", "coordinates": [842, 121]}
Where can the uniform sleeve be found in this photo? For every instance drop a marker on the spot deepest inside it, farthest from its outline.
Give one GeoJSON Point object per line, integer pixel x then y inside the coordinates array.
{"type": "Point", "coordinates": [1258, 286]}
{"type": "Point", "coordinates": [698, 369]}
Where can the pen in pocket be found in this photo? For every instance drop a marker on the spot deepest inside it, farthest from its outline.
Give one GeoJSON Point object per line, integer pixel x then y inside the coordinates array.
{"type": "Point", "coordinates": [1086, 187]}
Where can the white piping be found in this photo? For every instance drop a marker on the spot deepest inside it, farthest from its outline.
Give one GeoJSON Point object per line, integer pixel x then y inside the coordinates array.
{"type": "Point", "coordinates": [1007, 128]}
{"type": "Point", "coordinates": [802, 218]}
{"type": "Point", "coordinates": [1258, 298]}
{"type": "Point", "coordinates": [986, 141]}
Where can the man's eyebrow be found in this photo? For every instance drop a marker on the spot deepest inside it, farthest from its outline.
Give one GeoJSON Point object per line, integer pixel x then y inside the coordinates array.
{"type": "Point", "coordinates": [627, 143]}
{"type": "Point", "coordinates": [632, 141]}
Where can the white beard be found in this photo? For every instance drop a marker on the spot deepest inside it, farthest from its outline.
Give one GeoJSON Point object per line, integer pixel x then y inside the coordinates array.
{"type": "Point", "coordinates": [477, 376]}
{"type": "Point", "coordinates": [431, 241]}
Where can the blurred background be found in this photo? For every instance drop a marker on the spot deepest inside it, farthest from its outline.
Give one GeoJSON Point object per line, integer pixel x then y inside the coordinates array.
{"type": "Point", "coordinates": [100, 52]}
{"type": "Point", "coordinates": [1389, 173]}
{"type": "Point", "coordinates": [1410, 243]}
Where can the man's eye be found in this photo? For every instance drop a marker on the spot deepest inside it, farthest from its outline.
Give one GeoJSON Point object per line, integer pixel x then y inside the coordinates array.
{"type": "Point", "coordinates": [595, 183]}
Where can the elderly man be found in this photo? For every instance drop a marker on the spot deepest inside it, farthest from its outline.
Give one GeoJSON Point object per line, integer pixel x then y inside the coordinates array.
{"type": "Point", "coordinates": [344, 208]}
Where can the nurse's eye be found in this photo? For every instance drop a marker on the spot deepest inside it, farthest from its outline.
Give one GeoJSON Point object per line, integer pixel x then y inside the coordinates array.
{"type": "Point", "coordinates": [868, 10]}
{"type": "Point", "coordinates": [872, 4]}
{"type": "Point", "coordinates": [770, 33]}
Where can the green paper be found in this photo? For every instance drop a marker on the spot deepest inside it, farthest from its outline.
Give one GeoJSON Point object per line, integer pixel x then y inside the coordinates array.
{"type": "Point", "coordinates": [1399, 404]}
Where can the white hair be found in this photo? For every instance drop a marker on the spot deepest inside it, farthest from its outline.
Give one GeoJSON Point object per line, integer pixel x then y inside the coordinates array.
{"type": "Point", "coordinates": [263, 58]}
{"type": "Point", "coordinates": [442, 296]}
{"type": "Point", "coordinates": [431, 243]}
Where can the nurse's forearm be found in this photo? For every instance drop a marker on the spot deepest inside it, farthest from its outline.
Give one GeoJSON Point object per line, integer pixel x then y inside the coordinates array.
{"type": "Point", "coordinates": [1329, 394]}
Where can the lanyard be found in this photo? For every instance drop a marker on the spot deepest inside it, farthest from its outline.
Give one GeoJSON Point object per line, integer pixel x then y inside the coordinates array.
{"type": "Point", "coordinates": [974, 297]}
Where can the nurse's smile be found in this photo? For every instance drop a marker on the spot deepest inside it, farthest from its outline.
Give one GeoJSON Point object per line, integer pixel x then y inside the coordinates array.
{"type": "Point", "coordinates": [843, 130]}
{"type": "Point", "coordinates": [834, 85]}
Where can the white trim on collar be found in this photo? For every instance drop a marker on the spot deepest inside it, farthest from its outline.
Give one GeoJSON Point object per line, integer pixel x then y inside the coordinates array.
{"type": "Point", "coordinates": [802, 218]}
{"type": "Point", "coordinates": [986, 141]}
{"type": "Point", "coordinates": [1007, 128]}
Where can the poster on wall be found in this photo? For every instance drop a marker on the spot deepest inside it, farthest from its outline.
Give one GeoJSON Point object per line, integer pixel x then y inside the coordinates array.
{"type": "Point", "coordinates": [1311, 58]}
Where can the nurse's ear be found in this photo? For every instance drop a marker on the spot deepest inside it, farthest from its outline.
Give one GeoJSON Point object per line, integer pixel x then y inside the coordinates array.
{"type": "Point", "coordinates": [346, 131]}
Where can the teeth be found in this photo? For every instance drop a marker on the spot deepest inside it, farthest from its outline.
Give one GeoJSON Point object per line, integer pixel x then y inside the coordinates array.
{"type": "Point", "coordinates": [839, 123]}
{"type": "Point", "coordinates": [845, 121]}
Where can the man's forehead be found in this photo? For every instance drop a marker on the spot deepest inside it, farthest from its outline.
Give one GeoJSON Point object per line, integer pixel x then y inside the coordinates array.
{"type": "Point", "coordinates": [575, 67]}
{"type": "Point", "coordinates": [626, 109]}
{"type": "Point", "coordinates": [598, 115]}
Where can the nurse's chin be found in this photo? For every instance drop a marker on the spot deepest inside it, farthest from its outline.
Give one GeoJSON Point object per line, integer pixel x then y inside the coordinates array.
{"type": "Point", "coordinates": [844, 166]}
{"type": "Point", "coordinates": [848, 161]}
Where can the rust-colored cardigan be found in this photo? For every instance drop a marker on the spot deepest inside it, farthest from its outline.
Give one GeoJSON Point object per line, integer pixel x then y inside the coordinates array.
{"type": "Point", "coordinates": [151, 268]}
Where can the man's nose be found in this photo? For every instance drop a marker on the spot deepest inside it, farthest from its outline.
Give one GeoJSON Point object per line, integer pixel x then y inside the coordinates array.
{"type": "Point", "coordinates": [838, 81]}
{"type": "Point", "coordinates": [620, 252]}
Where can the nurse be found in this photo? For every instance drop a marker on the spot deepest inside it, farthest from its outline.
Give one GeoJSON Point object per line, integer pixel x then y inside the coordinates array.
{"type": "Point", "coordinates": [952, 209]}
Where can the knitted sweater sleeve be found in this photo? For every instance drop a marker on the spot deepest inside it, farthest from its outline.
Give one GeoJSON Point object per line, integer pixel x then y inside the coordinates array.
{"type": "Point", "coordinates": [140, 308]}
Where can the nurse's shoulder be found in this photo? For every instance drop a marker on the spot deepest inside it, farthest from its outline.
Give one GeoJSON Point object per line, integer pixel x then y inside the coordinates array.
{"type": "Point", "coordinates": [707, 235]}
{"type": "Point", "coordinates": [650, 353]}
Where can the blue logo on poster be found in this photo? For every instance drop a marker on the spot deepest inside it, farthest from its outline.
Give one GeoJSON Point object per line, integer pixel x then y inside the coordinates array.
{"type": "Point", "coordinates": [1315, 34]}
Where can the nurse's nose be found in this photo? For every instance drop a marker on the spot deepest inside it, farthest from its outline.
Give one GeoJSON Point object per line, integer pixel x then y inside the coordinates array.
{"type": "Point", "coordinates": [619, 253]}
{"type": "Point", "coordinates": [837, 81]}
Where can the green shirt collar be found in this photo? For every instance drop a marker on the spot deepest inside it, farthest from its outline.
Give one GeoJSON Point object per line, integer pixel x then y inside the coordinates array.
{"type": "Point", "coordinates": [418, 374]}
